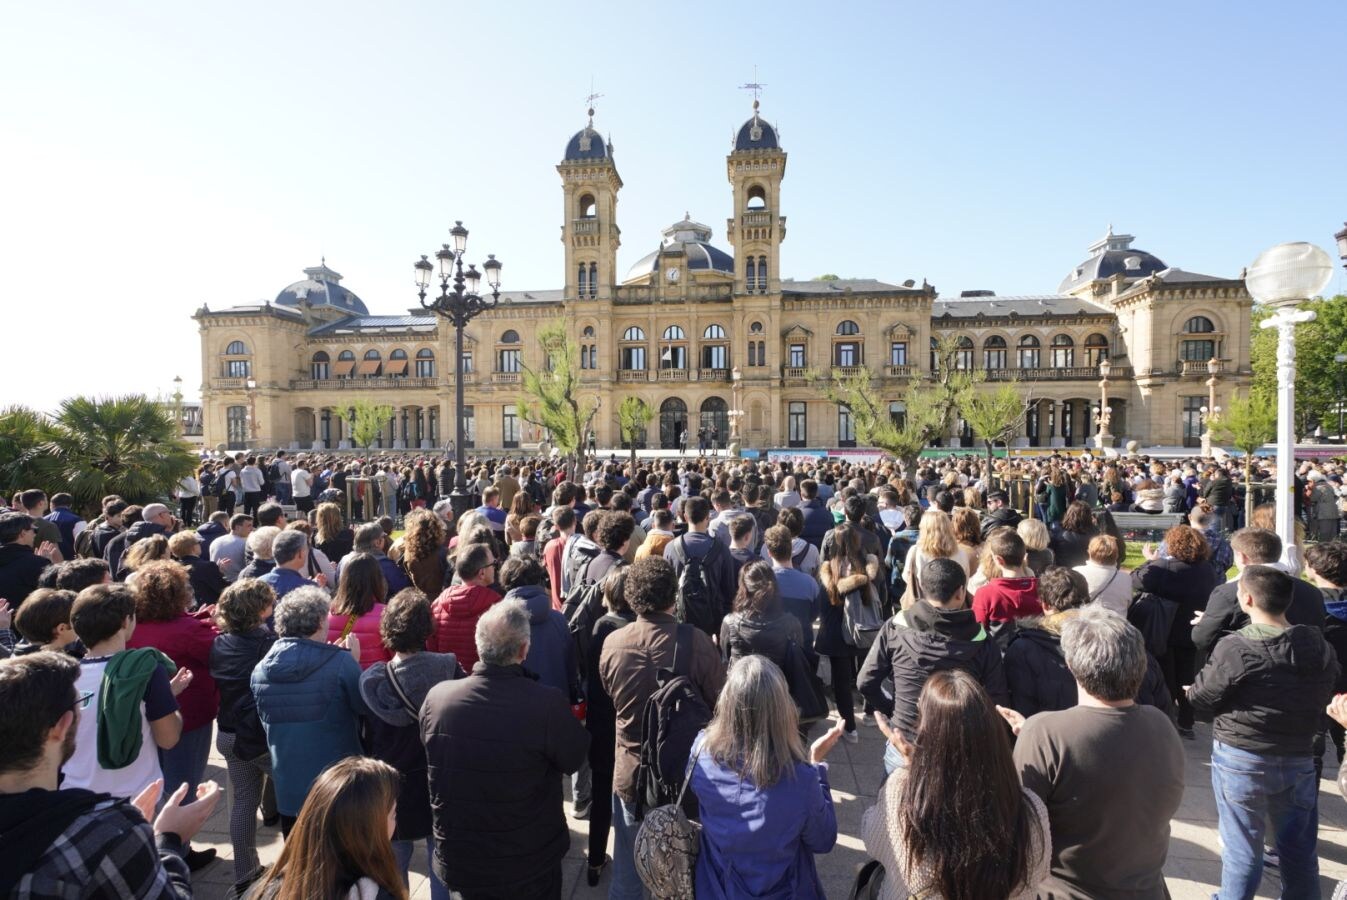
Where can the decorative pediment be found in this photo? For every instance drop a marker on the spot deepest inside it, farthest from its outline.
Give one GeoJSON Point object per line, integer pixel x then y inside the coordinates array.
{"type": "Point", "coordinates": [797, 330]}
{"type": "Point", "coordinates": [901, 330]}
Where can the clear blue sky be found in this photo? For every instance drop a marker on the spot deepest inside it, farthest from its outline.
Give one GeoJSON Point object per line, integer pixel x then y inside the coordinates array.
{"type": "Point", "coordinates": [158, 156]}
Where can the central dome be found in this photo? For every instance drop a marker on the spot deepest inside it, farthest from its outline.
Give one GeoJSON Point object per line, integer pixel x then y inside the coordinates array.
{"type": "Point", "coordinates": [321, 287]}
{"type": "Point", "coordinates": [1112, 255]}
{"type": "Point", "coordinates": [694, 239]}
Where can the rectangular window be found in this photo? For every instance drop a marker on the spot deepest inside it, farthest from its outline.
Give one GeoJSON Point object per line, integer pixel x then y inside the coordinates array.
{"type": "Point", "coordinates": [846, 427]}
{"type": "Point", "coordinates": [509, 361]}
{"type": "Point", "coordinates": [1192, 421]}
{"type": "Point", "coordinates": [425, 368]}
{"type": "Point", "coordinates": [1063, 357]}
{"type": "Point", "coordinates": [993, 359]}
{"type": "Point", "coordinates": [469, 428]}
{"type": "Point", "coordinates": [1197, 351]}
{"type": "Point", "coordinates": [510, 427]}
{"type": "Point", "coordinates": [237, 368]}
{"type": "Point", "coordinates": [465, 363]}
{"type": "Point", "coordinates": [798, 433]}
{"type": "Point", "coordinates": [633, 359]}
{"type": "Point", "coordinates": [848, 354]}
{"type": "Point", "coordinates": [1029, 357]}
{"type": "Point", "coordinates": [898, 353]}
{"type": "Point", "coordinates": [319, 371]}
{"type": "Point", "coordinates": [797, 356]}
{"type": "Point", "coordinates": [673, 357]}
{"type": "Point", "coordinates": [715, 356]}
{"type": "Point", "coordinates": [963, 358]}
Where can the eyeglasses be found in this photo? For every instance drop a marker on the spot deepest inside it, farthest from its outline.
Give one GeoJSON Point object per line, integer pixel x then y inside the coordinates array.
{"type": "Point", "coordinates": [84, 699]}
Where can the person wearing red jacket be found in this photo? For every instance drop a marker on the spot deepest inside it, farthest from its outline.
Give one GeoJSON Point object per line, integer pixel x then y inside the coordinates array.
{"type": "Point", "coordinates": [456, 611]}
{"type": "Point", "coordinates": [1010, 596]}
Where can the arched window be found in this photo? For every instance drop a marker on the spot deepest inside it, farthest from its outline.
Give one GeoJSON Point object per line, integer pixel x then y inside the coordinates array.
{"type": "Point", "coordinates": [848, 327]}
{"type": "Point", "coordinates": [587, 206]}
{"type": "Point", "coordinates": [373, 354]}
{"type": "Point", "coordinates": [1063, 352]}
{"type": "Point", "coordinates": [237, 368]}
{"type": "Point", "coordinates": [673, 421]}
{"type": "Point", "coordinates": [398, 354]}
{"type": "Point", "coordinates": [588, 332]}
{"type": "Point", "coordinates": [593, 280]}
{"type": "Point", "coordinates": [425, 363]}
{"type": "Point", "coordinates": [715, 416]}
{"type": "Point", "coordinates": [752, 274]}
{"type": "Point", "coordinates": [345, 355]}
{"type": "Point", "coordinates": [510, 337]}
{"type": "Point", "coordinates": [674, 333]}
{"type": "Point", "coordinates": [1197, 349]}
{"type": "Point", "coordinates": [372, 365]}
{"type": "Point", "coordinates": [994, 353]}
{"type": "Point", "coordinates": [1198, 325]}
{"type": "Point", "coordinates": [1029, 351]}
{"type": "Point", "coordinates": [237, 348]}
{"type": "Point", "coordinates": [674, 355]}
{"type": "Point", "coordinates": [1096, 350]}
{"type": "Point", "coordinates": [633, 334]}
{"type": "Point", "coordinates": [755, 328]}
{"type": "Point", "coordinates": [757, 198]}
{"type": "Point", "coordinates": [713, 333]}
{"type": "Point", "coordinates": [963, 353]}
{"type": "Point", "coordinates": [762, 274]}
{"type": "Point", "coordinates": [320, 368]}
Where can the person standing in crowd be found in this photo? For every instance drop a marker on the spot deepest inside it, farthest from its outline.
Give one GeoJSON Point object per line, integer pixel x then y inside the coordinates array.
{"type": "Point", "coordinates": [340, 846]}
{"type": "Point", "coordinates": [1012, 594]}
{"type": "Point", "coordinates": [816, 520]}
{"type": "Point", "coordinates": [632, 656]}
{"type": "Point", "coordinates": [260, 545]}
{"type": "Point", "coordinates": [333, 537]}
{"type": "Point", "coordinates": [34, 504]}
{"type": "Point", "coordinates": [697, 543]}
{"type": "Point", "coordinates": [1264, 689]}
{"type": "Point", "coordinates": [308, 698]}
{"type": "Point", "coordinates": [847, 570]}
{"type": "Point", "coordinates": [954, 821]}
{"type": "Point", "coordinates": [801, 595]}
{"type": "Point", "coordinates": [394, 692]}
{"type": "Point", "coordinates": [253, 483]}
{"type": "Point", "coordinates": [1108, 584]}
{"type": "Point", "coordinates": [457, 610]}
{"type": "Point", "coordinates": [1093, 757]}
{"type": "Point", "coordinates": [1185, 579]}
{"type": "Point", "coordinates": [358, 608]}
{"type": "Point", "coordinates": [290, 553]}
{"type": "Point", "coordinates": [424, 558]}
{"type": "Point", "coordinates": [206, 579]}
{"type": "Point", "coordinates": [65, 841]}
{"type": "Point", "coordinates": [497, 744]}
{"type": "Point", "coordinates": [20, 563]}
{"type": "Point", "coordinates": [228, 552]}
{"type": "Point", "coordinates": [1070, 544]}
{"type": "Point", "coordinates": [371, 539]}
{"type": "Point", "coordinates": [242, 643]}
{"type": "Point", "coordinates": [938, 632]}
{"type": "Point", "coordinates": [67, 523]}
{"type": "Point", "coordinates": [112, 525]}
{"type": "Point", "coordinates": [766, 807]}
{"type": "Point", "coordinates": [563, 521]}
{"type": "Point", "coordinates": [1037, 539]}
{"type": "Point", "coordinates": [301, 486]}
{"type": "Point", "coordinates": [759, 623]}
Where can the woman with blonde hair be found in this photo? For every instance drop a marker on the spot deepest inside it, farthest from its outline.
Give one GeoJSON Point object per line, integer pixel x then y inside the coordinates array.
{"type": "Point", "coordinates": [968, 532]}
{"type": "Point", "coordinates": [332, 536]}
{"type": "Point", "coordinates": [935, 540]}
{"type": "Point", "coordinates": [766, 807]}
{"type": "Point", "coordinates": [423, 554]}
{"type": "Point", "coordinates": [341, 846]}
{"type": "Point", "coordinates": [143, 552]}
{"type": "Point", "coordinates": [1037, 555]}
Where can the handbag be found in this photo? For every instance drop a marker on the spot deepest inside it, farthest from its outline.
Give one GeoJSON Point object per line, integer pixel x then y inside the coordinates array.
{"type": "Point", "coordinates": [666, 847]}
{"type": "Point", "coordinates": [862, 619]}
{"type": "Point", "coordinates": [806, 688]}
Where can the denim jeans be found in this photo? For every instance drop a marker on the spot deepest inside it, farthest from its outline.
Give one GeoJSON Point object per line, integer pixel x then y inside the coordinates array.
{"type": "Point", "coordinates": [626, 884]}
{"type": "Point", "coordinates": [403, 850]}
{"type": "Point", "coordinates": [893, 760]}
{"type": "Point", "coordinates": [1252, 787]}
{"type": "Point", "coordinates": [186, 762]}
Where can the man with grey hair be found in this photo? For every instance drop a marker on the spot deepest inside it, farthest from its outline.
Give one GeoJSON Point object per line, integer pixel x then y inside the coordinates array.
{"type": "Point", "coordinates": [372, 539]}
{"type": "Point", "coordinates": [155, 518]}
{"type": "Point", "coordinates": [308, 698]}
{"type": "Point", "coordinates": [290, 550]}
{"type": "Point", "coordinates": [497, 745]}
{"type": "Point", "coordinates": [1109, 770]}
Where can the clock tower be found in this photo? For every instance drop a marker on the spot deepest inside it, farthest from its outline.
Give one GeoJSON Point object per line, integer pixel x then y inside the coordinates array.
{"type": "Point", "coordinates": [589, 186]}
{"type": "Point", "coordinates": [755, 167]}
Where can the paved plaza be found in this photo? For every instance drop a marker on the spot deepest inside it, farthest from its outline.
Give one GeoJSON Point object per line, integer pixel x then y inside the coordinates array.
{"type": "Point", "coordinates": [1193, 870]}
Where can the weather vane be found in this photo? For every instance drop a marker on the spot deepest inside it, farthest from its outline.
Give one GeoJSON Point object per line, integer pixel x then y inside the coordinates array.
{"type": "Point", "coordinates": [753, 86]}
{"type": "Point", "coordinates": [589, 101]}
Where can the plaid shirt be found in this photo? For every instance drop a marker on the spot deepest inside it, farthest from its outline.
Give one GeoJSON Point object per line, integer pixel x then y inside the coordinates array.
{"type": "Point", "coordinates": [109, 851]}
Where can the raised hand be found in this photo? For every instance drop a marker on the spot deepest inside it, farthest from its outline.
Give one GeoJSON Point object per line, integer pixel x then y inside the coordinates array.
{"type": "Point", "coordinates": [148, 799]}
{"type": "Point", "coordinates": [180, 680]}
{"type": "Point", "coordinates": [186, 820]}
{"type": "Point", "coordinates": [819, 750]}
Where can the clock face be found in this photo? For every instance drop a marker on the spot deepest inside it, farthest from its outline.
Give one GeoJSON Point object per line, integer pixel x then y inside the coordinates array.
{"type": "Point", "coordinates": [672, 273]}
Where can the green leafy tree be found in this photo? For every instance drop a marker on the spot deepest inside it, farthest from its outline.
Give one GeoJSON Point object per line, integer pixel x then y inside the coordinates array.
{"type": "Point", "coordinates": [93, 447]}
{"type": "Point", "coordinates": [870, 414]}
{"type": "Point", "coordinates": [1247, 423]}
{"type": "Point", "coordinates": [22, 430]}
{"type": "Point", "coordinates": [1319, 378]}
{"type": "Point", "coordinates": [365, 421]}
{"type": "Point", "coordinates": [995, 415]}
{"type": "Point", "coordinates": [553, 398]}
{"type": "Point", "coordinates": [633, 415]}
{"type": "Point", "coordinates": [951, 385]}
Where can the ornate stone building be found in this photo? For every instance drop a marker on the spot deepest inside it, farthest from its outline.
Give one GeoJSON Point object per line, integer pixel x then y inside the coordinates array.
{"type": "Point", "coordinates": [709, 337]}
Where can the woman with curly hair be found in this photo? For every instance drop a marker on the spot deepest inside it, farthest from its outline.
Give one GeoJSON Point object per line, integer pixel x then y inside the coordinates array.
{"type": "Point", "coordinates": [423, 555]}
{"type": "Point", "coordinates": [163, 596]}
{"type": "Point", "coordinates": [244, 639]}
{"type": "Point", "coordinates": [1183, 578]}
{"type": "Point", "coordinates": [147, 550]}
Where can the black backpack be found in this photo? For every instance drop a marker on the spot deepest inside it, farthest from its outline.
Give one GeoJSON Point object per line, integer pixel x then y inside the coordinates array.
{"type": "Point", "coordinates": [697, 601]}
{"type": "Point", "coordinates": [84, 544]}
{"type": "Point", "coordinates": [274, 471]}
{"type": "Point", "coordinates": [582, 607]}
{"type": "Point", "coordinates": [670, 722]}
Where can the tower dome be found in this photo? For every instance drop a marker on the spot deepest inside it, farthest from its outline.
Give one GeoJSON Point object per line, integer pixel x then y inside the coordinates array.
{"type": "Point", "coordinates": [756, 134]}
{"type": "Point", "coordinates": [1111, 255]}
{"type": "Point", "coordinates": [321, 287]}
{"type": "Point", "coordinates": [587, 144]}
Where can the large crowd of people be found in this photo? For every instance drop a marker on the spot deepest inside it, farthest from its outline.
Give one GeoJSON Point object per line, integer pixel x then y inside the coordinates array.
{"type": "Point", "coordinates": [662, 641]}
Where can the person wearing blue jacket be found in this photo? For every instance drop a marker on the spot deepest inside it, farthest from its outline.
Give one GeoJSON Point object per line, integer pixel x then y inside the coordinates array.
{"type": "Point", "coordinates": [766, 807]}
{"type": "Point", "coordinates": [308, 698]}
{"type": "Point", "coordinates": [551, 653]}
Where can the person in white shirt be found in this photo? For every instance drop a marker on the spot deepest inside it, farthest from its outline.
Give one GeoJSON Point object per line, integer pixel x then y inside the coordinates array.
{"type": "Point", "coordinates": [189, 494]}
{"type": "Point", "coordinates": [788, 496]}
{"type": "Point", "coordinates": [301, 487]}
{"type": "Point", "coordinates": [1109, 585]}
{"type": "Point", "coordinates": [254, 487]}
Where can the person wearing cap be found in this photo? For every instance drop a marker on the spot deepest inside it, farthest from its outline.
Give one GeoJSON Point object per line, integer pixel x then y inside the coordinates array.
{"type": "Point", "coordinates": [20, 563]}
{"type": "Point", "coordinates": [999, 512]}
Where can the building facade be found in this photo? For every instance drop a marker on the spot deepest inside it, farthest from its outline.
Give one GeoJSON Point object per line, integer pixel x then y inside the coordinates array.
{"type": "Point", "coordinates": [718, 339]}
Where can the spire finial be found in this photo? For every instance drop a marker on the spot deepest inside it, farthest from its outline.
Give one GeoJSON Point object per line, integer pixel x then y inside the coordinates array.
{"type": "Point", "coordinates": [755, 87]}
{"type": "Point", "coordinates": [589, 101]}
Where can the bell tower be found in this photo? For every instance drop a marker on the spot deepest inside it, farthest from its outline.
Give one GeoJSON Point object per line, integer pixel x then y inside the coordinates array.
{"type": "Point", "coordinates": [589, 186]}
{"type": "Point", "coordinates": [756, 166]}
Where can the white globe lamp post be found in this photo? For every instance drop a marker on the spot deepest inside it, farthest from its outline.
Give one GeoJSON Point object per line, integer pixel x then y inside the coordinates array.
{"type": "Point", "coordinates": [1281, 278]}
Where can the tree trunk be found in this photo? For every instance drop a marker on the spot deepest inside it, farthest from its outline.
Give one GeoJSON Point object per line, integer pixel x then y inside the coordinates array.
{"type": "Point", "coordinates": [1248, 488]}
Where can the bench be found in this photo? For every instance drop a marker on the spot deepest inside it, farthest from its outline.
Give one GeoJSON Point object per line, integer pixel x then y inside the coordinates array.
{"type": "Point", "coordinates": [1147, 526]}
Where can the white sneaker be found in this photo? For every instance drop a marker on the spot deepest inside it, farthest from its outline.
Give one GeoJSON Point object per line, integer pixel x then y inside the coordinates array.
{"type": "Point", "coordinates": [851, 737]}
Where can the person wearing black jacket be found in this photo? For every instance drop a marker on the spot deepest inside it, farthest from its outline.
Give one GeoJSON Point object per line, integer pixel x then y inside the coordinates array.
{"type": "Point", "coordinates": [999, 513]}
{"type": "Point", "coordinates": [208, 582]}
{"type": "Point", "coordinates": [497, 744]}
{"type": "Point", "coordinates": [1185, 579]}
{"type": "Point", "coordinates": [244, 639]}
{"type": "Point", "coordinates": [1327, 565]}
{"type": "Point", "coordinates": [818, 521]}
{"type": "Point", "coordinates": [20, 565]}
{"type": "Point", "coordinates": [1223, 615]}
{"type": "Point", "coordinates": [698, 544]}
{"type": "Point", "coordinates": [759, 624]}
{"type": "Point", "coordinates": [1071, 542]}
{"type": "Point", "coordinates": [1264, 690]}
{"type": "Point", "coordinates": [937, 633]}
{"type": "Point", "coordinates": [155, 518]}
{"type": "Point", "coordinates": [1036, 669]}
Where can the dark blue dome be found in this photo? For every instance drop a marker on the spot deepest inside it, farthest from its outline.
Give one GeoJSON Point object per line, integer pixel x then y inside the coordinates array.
{"type": "Point", "coordinates": [586, 144]}
{"type": "Point", "coordinates": [322, 287]}
{"type": "Point", "coordinates": [756, 134]}
{"type": "Point", "coordinates": [1113, 255]}
{"type": "Point", "coordinates": [694, 240]}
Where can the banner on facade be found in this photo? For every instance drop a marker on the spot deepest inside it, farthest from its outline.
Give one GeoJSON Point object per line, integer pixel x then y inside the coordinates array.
{"type": "Point", "coordinates": [797, 456]}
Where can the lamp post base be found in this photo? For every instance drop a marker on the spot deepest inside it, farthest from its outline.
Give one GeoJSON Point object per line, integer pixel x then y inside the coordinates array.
{"type": "Point", "coordinates": [1103, 440]}
{"type": "Point", "coordinates": [461, 502]}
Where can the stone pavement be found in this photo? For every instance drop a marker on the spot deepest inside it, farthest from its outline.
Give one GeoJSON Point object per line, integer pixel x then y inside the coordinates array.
{"type": "Point", "coordinates": [1193, 870]}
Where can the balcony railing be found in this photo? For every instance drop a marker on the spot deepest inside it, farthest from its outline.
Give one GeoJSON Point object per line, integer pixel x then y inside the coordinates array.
{"type": "Point", "coordinates": [898, 371]}
{"type": "Point", "coordinates": [672, 375]}
{"type": "Point", "coordinates": [1199, 366]}
{"type": "Point", "coordinates": [794, 373]}
{"type": "Point", "coordinates": [1069, 373]}
{"type": "Point", "coordinates": [713, 374]}
{"type": "Point", "coordinates": [632, 375]}
{"type": "Point", "coordinates": [505, 377]}
{"type": "Point", "coordinates": [585, 226]}
{"type": "Point", "coordinates": [361, 384]}
{"type": "Point", "coordinates": [848, 371]}
{"type": "Point", "coordinates": [758, 219]}
{"type": "Point", "coordinates": [229, 384]}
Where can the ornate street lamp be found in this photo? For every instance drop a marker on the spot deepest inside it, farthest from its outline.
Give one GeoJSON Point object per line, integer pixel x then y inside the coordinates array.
{"type": "Point", "coordinates": [458, 303]}
{"type": "Point", "coordinates": [1211, 410]}
{"type": "Point", "coordinates": [1103, 413]}
{"type": "Point", "coordinates": [1281, 278]}
{"type": "Point", "coordinates": [251, 384]}
{"type": "Point", "coordinates": [1341, 238]}
{"type": "Point", "coordinates": [177, 403]}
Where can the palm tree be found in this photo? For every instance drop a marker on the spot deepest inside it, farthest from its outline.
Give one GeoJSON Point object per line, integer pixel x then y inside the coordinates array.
{"type": "Point", "coordinates": [21, 431]}
{"type": "Point", "coordinates": [126, 445]}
